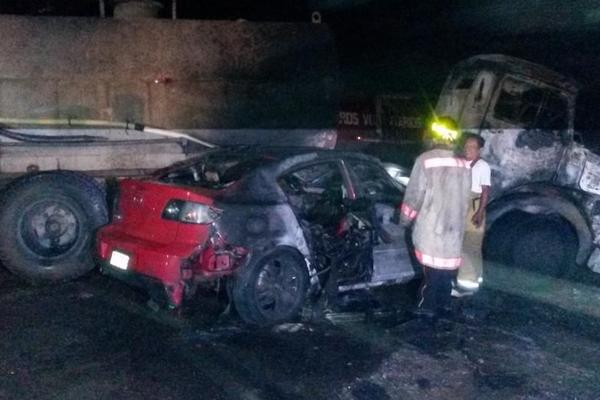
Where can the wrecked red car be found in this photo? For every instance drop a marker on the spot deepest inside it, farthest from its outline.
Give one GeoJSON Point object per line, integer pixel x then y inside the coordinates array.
{"type": "Point", "coordinates": [279, 224]}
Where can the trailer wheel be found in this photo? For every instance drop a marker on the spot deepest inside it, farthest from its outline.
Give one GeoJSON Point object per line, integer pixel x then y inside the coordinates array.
{"type": "Point", "coordinates": [49, 220]}
{"type": "Point", "coordinates": [271, 289]}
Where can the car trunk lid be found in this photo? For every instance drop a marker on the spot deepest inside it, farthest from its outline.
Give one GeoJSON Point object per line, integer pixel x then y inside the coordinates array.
{"type": "Point", "coordinates": [141, 205]}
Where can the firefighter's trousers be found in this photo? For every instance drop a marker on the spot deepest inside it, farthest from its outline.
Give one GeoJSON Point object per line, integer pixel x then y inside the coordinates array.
{"type": "Point", "coordinates": [434, 294]}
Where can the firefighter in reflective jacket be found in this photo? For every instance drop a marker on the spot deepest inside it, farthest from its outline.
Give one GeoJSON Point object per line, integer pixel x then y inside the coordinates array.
{"type": "Point", "coordinates": [436, 201]}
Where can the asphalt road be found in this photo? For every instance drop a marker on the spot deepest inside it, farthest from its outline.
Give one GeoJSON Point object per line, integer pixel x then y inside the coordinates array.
{"type": "Point", "coordinates": [524, 337]}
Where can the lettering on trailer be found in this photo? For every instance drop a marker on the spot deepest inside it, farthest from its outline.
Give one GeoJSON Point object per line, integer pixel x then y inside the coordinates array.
{"type": "Point", "coordinates": [368, 120]}
{"type": "Point", "coordinates": [356, 119]}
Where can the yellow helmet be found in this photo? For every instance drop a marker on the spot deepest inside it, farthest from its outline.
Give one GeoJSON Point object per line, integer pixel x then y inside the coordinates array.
{"type": "Point", "coordinates": [443, 130]}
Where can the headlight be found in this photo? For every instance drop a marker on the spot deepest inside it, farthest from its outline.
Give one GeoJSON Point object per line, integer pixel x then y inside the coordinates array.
{"type": "Point", "coordinates": [189, 212]}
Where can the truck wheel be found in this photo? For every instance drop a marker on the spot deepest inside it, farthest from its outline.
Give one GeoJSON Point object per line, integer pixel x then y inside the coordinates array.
{"type": "Point", "coordinates": [500, 239]}
{"type": "Point", "coordinates": [546, 246]}
{"type": "Point", "coordinates": [49, 220]}
{"type": "Point", "coordinates": [271, 289]}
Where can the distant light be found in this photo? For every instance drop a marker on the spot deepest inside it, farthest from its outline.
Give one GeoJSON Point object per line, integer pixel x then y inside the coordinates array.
{"type": "Point", "coordinates": [359, 138]}
{"type": "Point", "coordinates": [316, 17]}
{"type": "Point", "coordinates": [162, 78]}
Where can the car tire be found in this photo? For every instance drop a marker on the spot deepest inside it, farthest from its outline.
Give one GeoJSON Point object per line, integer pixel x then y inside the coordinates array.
{"type": "Point", "coordinates": [49, 221]}
{"type": "Point", "coordinates": [545, 245]}
{"type": "Point", "coordinates": [271, 288]}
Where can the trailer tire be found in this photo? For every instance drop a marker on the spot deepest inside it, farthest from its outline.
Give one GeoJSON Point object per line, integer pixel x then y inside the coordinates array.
{"type": "Point", "coordinates": [272, 288]}
{"type": "Point", "coordinates": [49, 221]}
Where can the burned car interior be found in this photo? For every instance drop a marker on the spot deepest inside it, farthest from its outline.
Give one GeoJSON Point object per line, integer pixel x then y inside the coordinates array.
{"type": "Point", "coordinates": [316, 192]}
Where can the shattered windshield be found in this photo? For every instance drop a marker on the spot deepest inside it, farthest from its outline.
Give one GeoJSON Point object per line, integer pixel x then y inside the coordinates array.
{"type": "Point", "coordinates": [530, 106]}
{"type": "Point", "coordinates": [518, 103]}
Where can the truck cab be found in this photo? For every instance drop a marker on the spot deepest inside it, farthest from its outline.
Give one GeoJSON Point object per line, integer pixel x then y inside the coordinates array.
{"type": "Point", "coordinates": [545, 201]}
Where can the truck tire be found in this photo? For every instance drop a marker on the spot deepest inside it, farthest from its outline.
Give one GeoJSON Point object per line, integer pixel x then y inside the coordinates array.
{"type": "Point", "coordinates": [49, 221]}
{"type": "Point", "coordinates": [500, 238]}
{"type": "Point", "coordinates": [545, 245]}
{"type": "Point", "coordinates": [272, 288]}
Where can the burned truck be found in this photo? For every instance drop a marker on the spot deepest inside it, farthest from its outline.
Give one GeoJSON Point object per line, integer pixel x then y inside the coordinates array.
{"type": "Point", "coordinates": [544, 212]}
{"type": "Point", "coordinates": [77, 96]}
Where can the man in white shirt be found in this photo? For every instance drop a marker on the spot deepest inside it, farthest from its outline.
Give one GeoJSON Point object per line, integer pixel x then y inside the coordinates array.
{"type": "Point", "coordinates": [471, 272]}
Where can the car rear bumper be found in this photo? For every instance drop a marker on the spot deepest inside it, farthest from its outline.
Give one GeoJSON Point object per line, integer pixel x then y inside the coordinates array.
{"type": "Point", "coordinates": [150, 264]}
{"type": "Point", "coordinates": [155, 288]}
{"type": "Point", "coordinates": [159, 260]}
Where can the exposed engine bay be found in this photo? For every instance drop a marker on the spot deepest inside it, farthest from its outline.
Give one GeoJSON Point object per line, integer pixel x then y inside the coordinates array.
{"type": "Point", "coordinates": [343, 253]}
{"type": "Point", "coordinates": [346, 251]}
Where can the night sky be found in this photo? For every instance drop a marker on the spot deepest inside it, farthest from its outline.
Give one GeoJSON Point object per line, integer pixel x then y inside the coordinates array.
{"type": "Point", "coordinates": [387, 46]}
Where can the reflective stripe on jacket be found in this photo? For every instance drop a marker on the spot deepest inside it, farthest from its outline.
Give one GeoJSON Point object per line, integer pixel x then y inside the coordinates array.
{"type": "Point", "coordinates": [437, 198]}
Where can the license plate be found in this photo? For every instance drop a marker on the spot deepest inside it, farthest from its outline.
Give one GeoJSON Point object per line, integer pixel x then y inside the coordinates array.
{"type": "Point", "coordinates": [119, 260]}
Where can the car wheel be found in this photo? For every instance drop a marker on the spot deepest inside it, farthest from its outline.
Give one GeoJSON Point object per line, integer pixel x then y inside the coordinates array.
{"type": "Point", "coordinates": [545, 245]}
{"type": "Point", "coordinates": [48, 221]}
{"type": "Point", "coordinates": [272, 288]}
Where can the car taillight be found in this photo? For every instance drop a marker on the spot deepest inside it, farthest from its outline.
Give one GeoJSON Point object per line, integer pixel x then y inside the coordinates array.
{"type": "Point", "coordinates": [189, 212]}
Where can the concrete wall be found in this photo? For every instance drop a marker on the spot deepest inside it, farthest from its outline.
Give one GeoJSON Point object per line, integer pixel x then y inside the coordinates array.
{"type": "Point", "coordinates": [173, 74]}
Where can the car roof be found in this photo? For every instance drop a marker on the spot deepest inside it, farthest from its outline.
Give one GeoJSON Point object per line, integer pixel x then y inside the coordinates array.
{"type": "Point", "coordinates": [288, 155]}
{"type": "Point", "coordinates": [282, 152]}
{"type": "Point", "coordinates": [259, 184]}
